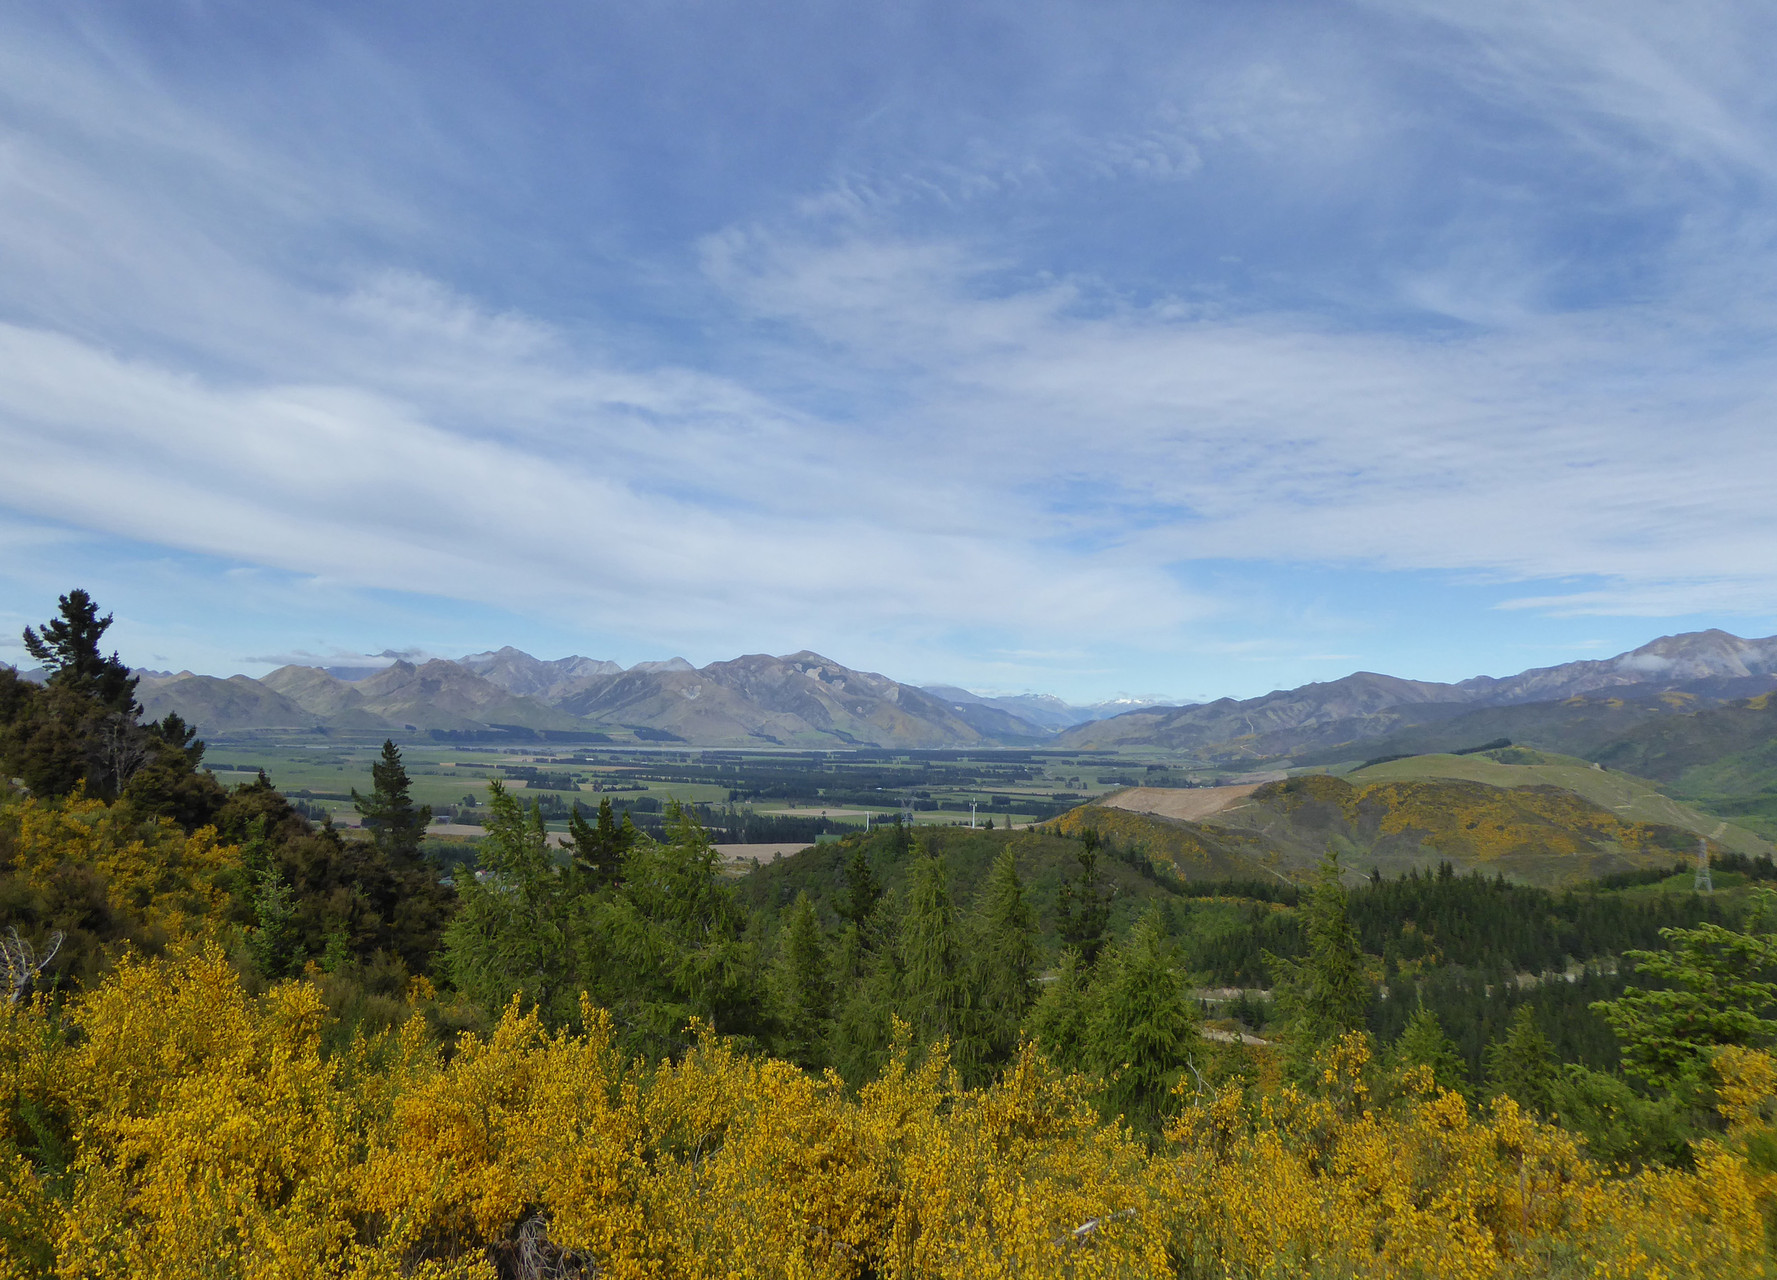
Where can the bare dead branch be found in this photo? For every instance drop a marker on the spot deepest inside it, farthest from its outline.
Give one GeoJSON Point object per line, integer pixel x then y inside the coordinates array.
{"type": "Point", "coordinates": [20, 964]}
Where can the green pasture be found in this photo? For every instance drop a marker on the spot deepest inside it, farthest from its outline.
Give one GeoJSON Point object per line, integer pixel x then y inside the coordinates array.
{"type": "Point", "coordinates": [443, 774]}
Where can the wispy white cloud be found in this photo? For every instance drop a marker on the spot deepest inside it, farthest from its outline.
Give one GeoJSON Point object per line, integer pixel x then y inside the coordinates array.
{"type": "Point", "coordinates": [925, 406]}
{"type": "Point", "coordinates": [1643, 87]}
{"type": "Point", "coordinates": [1544, 450]}
{"type": "Point", "coordinates": [339, 658]}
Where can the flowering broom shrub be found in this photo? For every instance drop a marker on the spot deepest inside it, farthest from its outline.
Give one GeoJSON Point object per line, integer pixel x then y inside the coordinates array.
{"type": "Point", "coordinates": [169, 1124]}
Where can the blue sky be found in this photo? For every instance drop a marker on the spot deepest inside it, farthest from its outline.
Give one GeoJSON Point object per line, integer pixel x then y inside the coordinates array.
{"type": "Point", "coordinates": [1096, 349]}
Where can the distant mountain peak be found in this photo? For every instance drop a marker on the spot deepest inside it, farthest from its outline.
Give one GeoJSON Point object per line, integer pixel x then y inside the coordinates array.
{"type": "Point", "coordinates": [470, 660]}
{"type": "Point", "coordinates": [669, 664]}
{"type": "Point", "coordinates": [517, 672]}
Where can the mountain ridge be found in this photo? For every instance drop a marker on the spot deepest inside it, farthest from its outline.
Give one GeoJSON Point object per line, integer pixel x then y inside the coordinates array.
{"type": "Point", "coordinates": [1369, 706]}
{"type": "Point", "coordinates": [805, 699]}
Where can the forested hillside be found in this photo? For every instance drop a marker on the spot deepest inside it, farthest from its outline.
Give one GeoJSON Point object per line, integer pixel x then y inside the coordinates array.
{"type": "Point", "coordinates": [234, 1043]}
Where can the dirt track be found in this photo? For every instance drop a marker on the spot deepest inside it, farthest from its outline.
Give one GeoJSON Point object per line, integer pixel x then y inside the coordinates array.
{"type": "Point", "coordinates": [1193, 804]}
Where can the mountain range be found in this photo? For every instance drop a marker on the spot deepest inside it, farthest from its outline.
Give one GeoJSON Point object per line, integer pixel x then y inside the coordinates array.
{"type": "Point", "coordinates": [798, 700]}
{"type": "Point", "coordinates": [1323, 720]}
{"type": "Point", "coordinates": [806, 700]}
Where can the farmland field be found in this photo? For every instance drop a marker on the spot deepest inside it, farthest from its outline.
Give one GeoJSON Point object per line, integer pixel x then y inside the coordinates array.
{"type": "Point", "coordinates": [775, 795]}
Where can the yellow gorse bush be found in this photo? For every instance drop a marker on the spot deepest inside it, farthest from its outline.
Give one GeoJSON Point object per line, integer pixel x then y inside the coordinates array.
{"type": "Point", "coordinates": [728, 1165]}
{"type": "Point", "coordinates": [1291, 1185]}
{"type": "Point", "coordinates": [150, 869]}
{"type": "Point", "coordinates": [186, 1128]}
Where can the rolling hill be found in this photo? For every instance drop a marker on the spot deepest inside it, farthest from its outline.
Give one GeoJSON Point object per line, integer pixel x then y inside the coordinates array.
{"type": "Point", "coordinates": [1720, 759]}
{"type": "Point", "coordinates": [1631, 798]}
{"type": "Point", "coordinates": [1494, 816]}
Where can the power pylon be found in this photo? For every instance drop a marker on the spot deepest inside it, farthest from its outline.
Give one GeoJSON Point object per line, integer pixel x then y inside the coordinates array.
{"type": "Point", "coordinates": [1703, 883]}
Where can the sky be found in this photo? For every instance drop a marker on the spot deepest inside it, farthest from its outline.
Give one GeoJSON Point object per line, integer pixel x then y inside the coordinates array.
{"type": "Point", "coordinates": [1101, 349]}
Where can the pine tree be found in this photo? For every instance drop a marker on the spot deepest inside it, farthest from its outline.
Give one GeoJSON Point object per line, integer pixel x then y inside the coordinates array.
{"type": "Point", "coordinates": [1325, 994]}
{"type": "Point", "coordinates": [868, 965]}
{"type": "Point", "coordinates": [511, 934]}
{"type": "Point", "coordinates": [802, 986]}
{"type": "Point", "coordinates": [1006, 953]}
{"type": "Point", "coordinates": [1714, 989]}
{"type": "Point", "coordinates": [1522, 1066]}
{"type": "Point", "coordinates": [670, 944]}
{"type": "Point", "coordinates": [598, 851]}
{"type": "Point", "coordinates": [1424, 1044]}
{"type": "Point", "coordinates": [1060, 1021]}
{"type": "Point", "coordinates": [1084, 906]}
{"type": "Point", "coordinates": [174, 733]}
{"type": "Point", "coordinates": [80, 724]}
{"type": "Point", "coordinates": [44, 735]}
{"type": "Point", "coordinates": [937, 999]}
{"type": "Point", "coordinates": [274, 942]}
{"type": "Point", "coordinates": [1143, 1027]}
{"type": "Point", "coordinates": [68, 647]}
{"type": "Point", "coordinates": [861, 889]}
{"type": "Point", "coordinates": [395, 823]}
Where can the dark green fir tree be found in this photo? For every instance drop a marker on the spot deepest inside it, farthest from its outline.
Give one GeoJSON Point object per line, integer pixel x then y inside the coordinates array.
{"type": "Point", "coordinates": [1143, 1026]}
{"type": "Point", "coordinates": [802, 987]}
{"type": "Point", "coordinates": [862, 891]}
{"type": "Point", "coordinates": [1424, 1044]}
{"type": "Point", "coordinates": [1324, 994]}
{"type": "Point", "coordinates": [395, 823]}
{"type": "Point", "coordinates": [599, 847]}
{"type": "Point", "coordinates": [1005, 955]}
{"type": "Point", "coordinates": [1083, 908]}
{"type": "Point", "coordinates": [1522, 1066]}
{"type": "Point", "coordinates": [937, 998]}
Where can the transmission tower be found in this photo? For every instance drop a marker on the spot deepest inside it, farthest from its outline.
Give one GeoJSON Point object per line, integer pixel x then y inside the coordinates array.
{"type": "Point", "coordinates": [1703, 883]}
